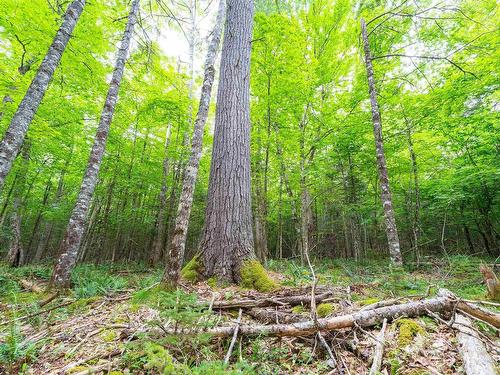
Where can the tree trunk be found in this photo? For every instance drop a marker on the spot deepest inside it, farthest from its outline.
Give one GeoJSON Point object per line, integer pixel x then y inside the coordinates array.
{"type": "Point", "coordinates": [16, 254]}
{"type": "Point", "coordinates": [390, 220]}
{"type": "Point", "coordinates": [74, 232]}
{"type": "Point", "coordinates": [14, 137]}
{"type": "Point", "coordinates": [178, 243]}
{"type": "Point", "coordinates": [160, 222]}
{"type": "Point", "coordinates": [227, 235]}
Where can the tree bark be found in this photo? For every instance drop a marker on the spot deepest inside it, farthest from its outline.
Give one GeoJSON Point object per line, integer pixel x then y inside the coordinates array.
{"type": "Point", "coordinates": [74, 232]}
{"type": "Point", "coordinates": [178, 244]}
{"type": "Point", "coordinates": [227, 236]}
{"type": "Point", "coordinates": [16, 253]}
{"type": "Point", "coordinates": [16, 133]}
{"type": "Point", "coordinates": [390, 220]}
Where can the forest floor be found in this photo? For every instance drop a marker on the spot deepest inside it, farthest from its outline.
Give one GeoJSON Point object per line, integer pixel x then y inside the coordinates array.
{"type": "Point", "coordinates": [109, 323]}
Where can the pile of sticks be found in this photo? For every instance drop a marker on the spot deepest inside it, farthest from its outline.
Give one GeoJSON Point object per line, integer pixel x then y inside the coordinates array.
{"type": "Point", "coordinates": [277, 319]}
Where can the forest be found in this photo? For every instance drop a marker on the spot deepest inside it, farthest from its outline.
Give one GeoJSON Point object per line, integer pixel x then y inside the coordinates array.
{"type": "Point", "coordinates": [249, 187]}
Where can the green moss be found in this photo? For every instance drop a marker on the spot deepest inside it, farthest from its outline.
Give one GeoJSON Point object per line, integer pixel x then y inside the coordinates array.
{"type": "Point", "coordinates": [369, 301]}
{"type": "Point", "coordinates": [82, 303]}
{"type": "Point", "coordinates": [212, 282]}
{"type": "Point", "coordinates": [255, 276]}
{"type": "Point", "coordinates": [324, 309]}
{"type": "Point", "coordinates": [192, 270]}
{"type": "Point", "coordinates": [108, 335]}
{"type": "Point", "coordinates": [115, 372]}
{"type": "Point", "coordinates": [408, 329]}
{"type": "Point", "coordinates": [77, 369]}
{"type": "Point", "coordinates": [299, 309]}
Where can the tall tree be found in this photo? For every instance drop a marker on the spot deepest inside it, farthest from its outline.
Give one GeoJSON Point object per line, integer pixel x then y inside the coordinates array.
{"type": "Point", "coordinates": [227, 238]}
{"type": "Point", "coordinates": [74, 232]}
{"type": "Point", "coordinates": [385, 191]}
{"type": "Point", "coordinates": [16, 132]}
{"type": "Point", "coordinates": [178, 243]}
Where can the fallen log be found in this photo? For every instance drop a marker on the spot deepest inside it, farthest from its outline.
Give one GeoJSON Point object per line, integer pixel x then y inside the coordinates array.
{"type": "Point", "coordinates": [266, 302]}
{"type": "Point", "coordinates": [477, 360]}
{"type": "Point", "coordinates": [379, 351]}
{"type": "Point", "coordinates": [443, 302]}
{"type": "Point", "coordinates": [479, 313]}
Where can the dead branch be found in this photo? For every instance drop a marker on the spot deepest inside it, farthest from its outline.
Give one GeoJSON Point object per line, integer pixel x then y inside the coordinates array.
{"type": "Point", "coordinates": [477, 360]}
{"type": "Point", "coordinates": [265, 302]}
{"type": "Point", "coordinates": [443, 302]}
{"type": "Point", "coordinates": [233, 340]}
{"type": "Point", "coordinates": [379, 350]}
{"type": "Point", "coordinates": [480, 313]}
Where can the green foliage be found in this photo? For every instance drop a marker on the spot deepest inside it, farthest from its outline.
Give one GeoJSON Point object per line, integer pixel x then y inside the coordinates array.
{"type": "Point", "coordinates": [15, 351]}
{"type": "Point", "coordinates": [255, 276]}
{"type": "Point", "coordinates": [89, 281]}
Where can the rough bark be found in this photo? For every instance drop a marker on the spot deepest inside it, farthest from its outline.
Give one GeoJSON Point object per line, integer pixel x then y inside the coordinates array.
{"type": "Point", "coordinates": [227, 236]}
{"type": "Point", "coordinates": [178, 244]}
{"type": "Point", "coordinates": [73, 236]}
{"type": "Point", "coordinates": [18, 127]}
{"type": "Point", "coordinates": [160, 222]}
{"type": "Point", "coordinates": [444, 302]}
{"type": "Point", "coordinates": [390, 220]}
{"type": "Point", "coordinates": [477, 360]}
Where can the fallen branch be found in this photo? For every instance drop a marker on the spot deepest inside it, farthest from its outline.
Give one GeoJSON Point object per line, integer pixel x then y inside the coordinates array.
{"type": "Point", "coordinates": [266, 302]}
{"type": "Point", "coordinates": [480, 313]}
{"type": "Point", "coordinates": [235, 335]}
{"type": "Point", "coordinates": [379, 350]}
{"type": "Point", "coordinates": [443, 302]}
{"type": "Point", "coordinates": [477, 360]}
{"type": "Point", "coordinates": [38, 313]}
{"type": "Point", "coordinates": [30, 286]}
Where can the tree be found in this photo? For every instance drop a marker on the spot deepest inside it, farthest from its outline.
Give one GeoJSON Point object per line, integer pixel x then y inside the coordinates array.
{"type": "Point", "coordinates": [227, 238]}
{"type": "Point", "coordinates": [15, 134]}
{"type": "Point", "coordinates": [74, 232]}
{"type": "Point", "coordinates": [178, 242]}
{"type": "Point", "coordinates": [385, 191]}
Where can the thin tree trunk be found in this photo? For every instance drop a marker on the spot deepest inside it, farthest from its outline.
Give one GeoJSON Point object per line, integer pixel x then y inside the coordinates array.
{"type": "Point", "coordinates": [177, 246]}
{"type": "Point", "coordinates": [14, 137]}
{"type": "Point", "coordinates": [227, 235]}
{"type": "Point", "coordinates": [16, 253]}
{"type": "Point", "coordinates": [160, 222]}
{"type": "Point", "coordinates": [73, 236]}
{"type": "Point", "coordinates": [390, 220]}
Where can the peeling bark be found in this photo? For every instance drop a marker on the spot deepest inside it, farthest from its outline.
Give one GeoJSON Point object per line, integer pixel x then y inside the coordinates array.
{"type": "Point", "coordinates": [18, 127]}
{"type": "Point", "coordinates": [72, 238]}
{"type": "Point", "coordinates": [227, 236]}
{"type": "Point", "coordinates": [390, 220]}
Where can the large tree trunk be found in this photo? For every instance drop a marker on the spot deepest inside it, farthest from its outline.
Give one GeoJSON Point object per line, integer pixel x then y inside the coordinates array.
{"type": "Point", "coordinates": [14, 137]}
{"type": "Point", "coordinates": [74, 232]}
{"type": "Point", "coordinates": [390, 220]}
{"type": "Point", "coordinates": [227, 235]}
{"type": "Point", "coordinates": [178, 244]}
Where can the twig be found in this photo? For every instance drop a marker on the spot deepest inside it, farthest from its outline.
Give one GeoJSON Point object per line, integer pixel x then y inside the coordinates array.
{"type": "Point", "coordinates": [233, 340]}
{"type": "Point", "coordinates": [37, 313]}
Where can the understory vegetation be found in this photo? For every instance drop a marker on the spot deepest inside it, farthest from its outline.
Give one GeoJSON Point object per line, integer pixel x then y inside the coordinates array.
{"type": "Point", "coordinates": [118, 309]}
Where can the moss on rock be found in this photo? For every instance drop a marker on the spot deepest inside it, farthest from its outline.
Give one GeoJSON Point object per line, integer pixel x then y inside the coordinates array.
{"type": "Point", "coordinates": [255, 276]}
{"type": "Point", "coordinates": [408, 329]}
{"type": "Point", "coordinates": [193, 270]}
{"type": "Point", "coordinates": [299, 309]}
{"type": "Point", "coordinates": [324, 309]}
